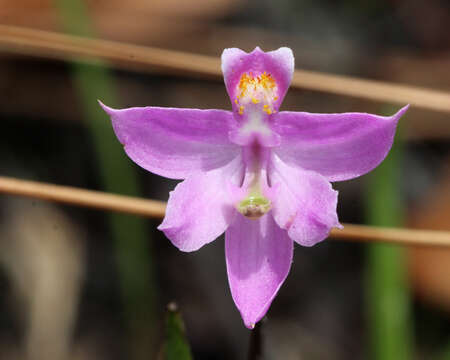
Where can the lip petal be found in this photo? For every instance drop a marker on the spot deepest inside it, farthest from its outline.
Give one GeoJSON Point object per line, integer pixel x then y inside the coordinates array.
{"type": "Point", "coordinates": [259, 256]}
{"type": "Point", "coordinates": [279, 63]}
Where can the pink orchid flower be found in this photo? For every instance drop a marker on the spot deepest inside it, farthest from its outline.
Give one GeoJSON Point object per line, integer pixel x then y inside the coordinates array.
{"type": "Point", "coordinates": [258, 174]}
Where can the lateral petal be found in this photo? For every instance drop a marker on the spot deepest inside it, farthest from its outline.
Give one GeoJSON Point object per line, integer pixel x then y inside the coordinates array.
{"type": "Point", "coordinates": [174, 143]}
{"type": "Point", "coordinates": [304, 202]}
{"type": "Point", "coordinates": [338, 146]}
{"type": "Point", "coordinates": [201, 207]}
{"type": "Point", "coordinates": [259, 256]}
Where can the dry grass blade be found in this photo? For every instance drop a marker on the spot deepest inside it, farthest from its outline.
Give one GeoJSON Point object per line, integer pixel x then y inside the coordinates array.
{"type": "Point", "coordinates": [66, 47]}
{"type": "Point", "coordinates": [156, 209]}
{"type": "Point", "coordinates": [80, 197]}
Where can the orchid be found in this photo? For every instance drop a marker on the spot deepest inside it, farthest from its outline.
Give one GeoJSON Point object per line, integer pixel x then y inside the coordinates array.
{"type": "Point", "coordinates": [259, 175]}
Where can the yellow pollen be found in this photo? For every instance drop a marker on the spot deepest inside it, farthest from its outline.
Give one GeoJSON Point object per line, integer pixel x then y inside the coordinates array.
{"type": "Point", "coordinates": [236, 101]}
{"type": "Point", "coordinates": [249, 82]}
{"type": "Point", "coordinates": [275, 98]}
{"type": "Point", "coordinates": [265, 106]}
{"type": "Point", "coordinates": [255, 101]}
{"type": "Point", "coordinates": [268, 111]}
{"type": "Point", "coordinates": [241, 110]}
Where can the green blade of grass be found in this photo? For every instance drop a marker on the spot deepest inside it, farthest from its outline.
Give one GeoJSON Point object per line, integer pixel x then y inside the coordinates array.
{"type": "Point", "coordinates": [130, 234]}
{"type": "Point", "coordinates": [388, 297]}
{"type": "Point", "coordinates": [444, 354]}
{"type": "Point", "coordinates": [176, 346]}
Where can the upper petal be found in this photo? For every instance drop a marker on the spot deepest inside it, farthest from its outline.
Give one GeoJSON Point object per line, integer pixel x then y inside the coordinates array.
{"type": "Point", "coordinates": [259, 256]}
{"type": "Point", "coordinates": [303, 202]}
{"type": "Point", "coordinates": [279, 64]}
{"type": "Point", "coordinates": [201, 207]}
{"type": "Point", "coordinates": [174, 142]}
{"type": "Point", "coordinates": [338, 146]}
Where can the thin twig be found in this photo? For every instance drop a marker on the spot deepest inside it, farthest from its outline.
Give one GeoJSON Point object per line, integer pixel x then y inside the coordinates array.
{"type": "Point", "coordinates": [84, 198]}
{"type": "Point", "coordinates": [46, 44]}
{"type": "Point", "coordinates": [156, 209]}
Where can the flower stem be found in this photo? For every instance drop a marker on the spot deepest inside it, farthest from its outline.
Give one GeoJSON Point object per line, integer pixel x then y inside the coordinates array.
{"type": "Point", "coordinates": [256, 346]}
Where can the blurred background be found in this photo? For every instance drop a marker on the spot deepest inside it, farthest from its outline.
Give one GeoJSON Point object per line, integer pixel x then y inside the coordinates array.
{"type": "Point", "coordinates": [84, 284]}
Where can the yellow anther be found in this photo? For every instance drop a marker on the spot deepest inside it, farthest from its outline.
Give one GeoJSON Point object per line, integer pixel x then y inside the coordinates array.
{"type": "Point", "coordinates": [254, 206]}
{"type": "Point", "coordinates": [275, 98]}
{"type": "Point", "coordinates": [250, 82]}
{"type": "Point", "coordinates": [256, 89]}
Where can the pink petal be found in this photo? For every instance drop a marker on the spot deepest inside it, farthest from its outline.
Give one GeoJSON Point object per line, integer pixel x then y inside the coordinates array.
{"type": "Point", "coordinates": [201, 207]}
{"type": "Point", "coordinates": [338, 146]}
{"type": "Point", "coordinates": [174, 143]}
{"type": "Point", "coordinates": [259, 256]}
{"type": "Point", "coordinates": [304, 202]}
{"type": "Point", "coordinates": [278, 63]}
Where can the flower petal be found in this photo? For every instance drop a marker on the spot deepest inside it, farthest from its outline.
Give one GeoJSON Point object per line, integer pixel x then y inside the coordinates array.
{"type": "Point", "coordinates": [338, 146]}
{"type": "Point", "coordinates": [201, 207]}
{"type": "Point", "coordinates": [279, 64]}
{"type": "Point", "coordinates": [304, 202]}
{"type": "Point", "coordinates": [259, 256]}
{"type": "Point", "coordinates": [174, 143]}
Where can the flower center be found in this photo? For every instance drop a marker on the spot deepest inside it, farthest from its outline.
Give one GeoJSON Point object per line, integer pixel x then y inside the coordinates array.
{"type": "Point", "coordinates": [254, 207]}
{"type": "Point", "coordinates": [255, 204]}
{"type": "Point", "coordinates": [260, 89]}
